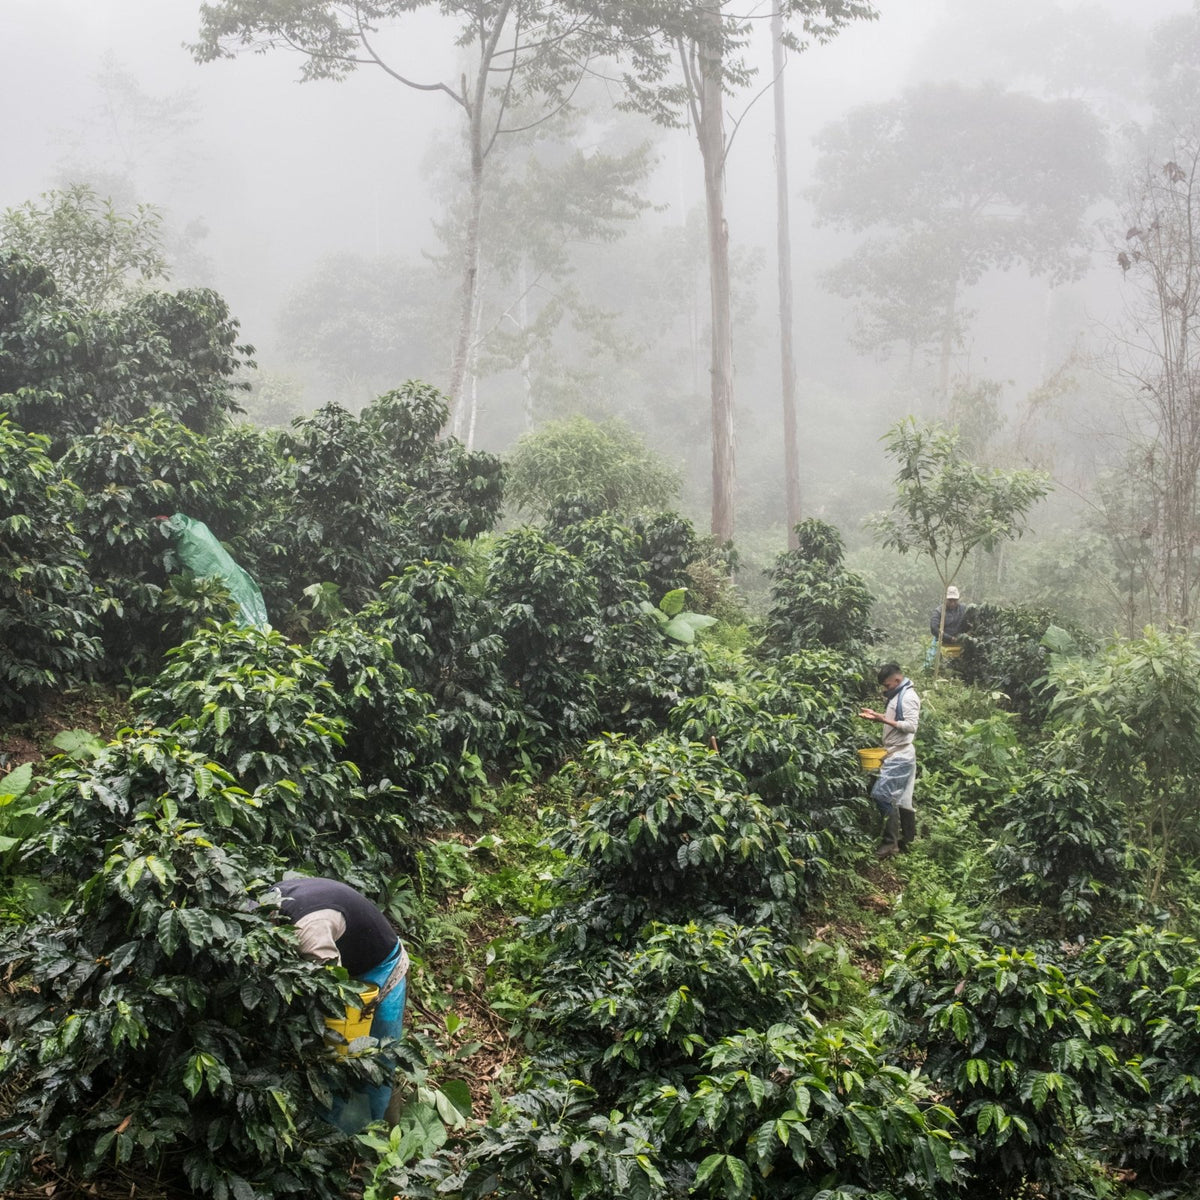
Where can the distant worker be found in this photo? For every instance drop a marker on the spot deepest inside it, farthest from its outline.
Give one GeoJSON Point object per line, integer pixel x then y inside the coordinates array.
{"type": "Point", "coordinates": [339, 927]}
{"type": "Point", "coordinates": [956, 619]}
{"type": "Point", "coordinates": [893, 790]}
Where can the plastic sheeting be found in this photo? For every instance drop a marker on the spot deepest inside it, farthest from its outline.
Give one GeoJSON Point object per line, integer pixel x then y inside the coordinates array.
{"type": "Point", "coordinates": [205, 557]}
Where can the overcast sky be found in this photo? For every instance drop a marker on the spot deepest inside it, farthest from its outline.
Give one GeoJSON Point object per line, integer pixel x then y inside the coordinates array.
{"type": "Point", "coordinates": [282, 173]}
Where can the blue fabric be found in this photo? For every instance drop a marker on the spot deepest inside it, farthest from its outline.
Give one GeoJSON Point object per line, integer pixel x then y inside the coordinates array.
{"type": "Point", "coordinates": [894, 778]}
{"type": "Point", "coordinates": [898, 691]}
{"type": "Point", "coordinates": [352, 1113]}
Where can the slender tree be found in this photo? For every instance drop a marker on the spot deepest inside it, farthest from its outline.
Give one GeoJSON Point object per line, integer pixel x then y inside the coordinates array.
{"type": "Point", "coordinates": [533, 51]}
{"type": "Point", "coordinates": [787, 354]}
{"type": "Point", "coordinates": [947, 506]}
{"type": "Point", "coordinates": [681, 60]}
{"type": "Point", "coordinates": [1159, 359]}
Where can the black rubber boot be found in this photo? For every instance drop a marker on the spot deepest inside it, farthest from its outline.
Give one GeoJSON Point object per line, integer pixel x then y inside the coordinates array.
{"type": "Point", "coordinates": [908, 828]}
{"type": "Point", "coordinates": [891, 837]}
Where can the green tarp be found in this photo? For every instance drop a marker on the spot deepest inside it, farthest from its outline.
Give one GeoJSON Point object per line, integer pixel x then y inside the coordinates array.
{"type": "Point", "coordinates": [205, 557]}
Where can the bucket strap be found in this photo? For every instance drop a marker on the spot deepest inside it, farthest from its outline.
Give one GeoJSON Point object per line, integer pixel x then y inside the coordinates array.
{"type": "Point", "coordinates": [399, 971]}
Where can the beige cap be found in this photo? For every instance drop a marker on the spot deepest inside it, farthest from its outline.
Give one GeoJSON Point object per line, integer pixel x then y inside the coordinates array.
{"type": "Point", "coordinates": [952, 593]}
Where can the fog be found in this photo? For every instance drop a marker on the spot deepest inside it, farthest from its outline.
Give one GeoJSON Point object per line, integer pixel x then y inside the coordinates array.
{"type": "Point", "coordinates": [267, 182]}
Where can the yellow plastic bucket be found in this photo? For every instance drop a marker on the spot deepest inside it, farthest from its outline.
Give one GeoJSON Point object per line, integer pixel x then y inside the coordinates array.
{"type": "Point", "coordinates": [872, 757]}
{"type": "Point", "coordinates": [355, 1024]}
{"type": "Point", "coordinates": [951, 651]}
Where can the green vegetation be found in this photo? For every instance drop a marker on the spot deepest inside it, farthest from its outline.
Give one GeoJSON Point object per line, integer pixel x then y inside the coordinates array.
{"type": "Point", "coordinates": [621, 824]}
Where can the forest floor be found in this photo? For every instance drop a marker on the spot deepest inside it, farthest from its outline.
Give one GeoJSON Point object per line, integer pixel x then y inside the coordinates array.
{"type": "Point", "coordinates": [95, 710]}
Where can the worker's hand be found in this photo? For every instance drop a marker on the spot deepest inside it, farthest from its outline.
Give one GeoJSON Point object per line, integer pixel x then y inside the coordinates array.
{"type": "Point", "coordinates": [869, 714]}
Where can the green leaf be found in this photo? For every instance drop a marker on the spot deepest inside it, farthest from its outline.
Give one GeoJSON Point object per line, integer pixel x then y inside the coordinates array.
{"type": "Point", "coordinates": [197, 926]}
{"type": "Point", "coordinates": [459, 1094]}
{"type": "Point", "coordinates": [16, 783]}
{"type": "Point", "coordinates": [706, 1168]}
{"type": "Point", "coordinates": [78, 744]}
{"type": "Point", "coordinates": [672, 602]}
{"type": "Point", "coordinates": [168, 930]}
{"type": "Point", "coordinates": [448, 1106]}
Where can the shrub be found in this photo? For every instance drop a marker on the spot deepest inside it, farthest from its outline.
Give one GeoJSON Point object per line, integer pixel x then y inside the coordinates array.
{"type": "Point", "coordinates": [1148, 980]}
{"type": "Point", "coordinates": [792, 741]}
{"type": "Point", "coordinates": [640, 676]}
{"type": "Point", "coordinates": [157, 1026]}
{"type": "Point", "coordinates": [669, 545]}
{"type": "Point", "coordinates": [1018, 1050]}
{"type": "Point", "coordinates": [1006, 651]}
{"type": "Point", "coordinates": [371, 494]}
{"type": "Point", "coordinates": [662, 839]}
{"type": "Point", "coordinates": [1063, 851]}
{"type": "Point", "coordinates": [606, 466]}
{"type": "Point", "coordinates": [70, 369]}
{"type": "Point", "coordinates": [815, 601]}
{"type": "Point", "coordinates": [130, 474]}
{"type": "Point", "coordinates": [267, 709]}
{"type": "Point", "coordinates": [451, 492]}
{"type": "Point", "coordinates": [652, 1008]}
{"type": "Point", "coordinates": [1130, 720]}
{"type": "Point", "coordinates": [341, 521]}
{"type": "Point", "coordinates": [443, 634]}
{"type": "Point", "coordinates": [548, 615]}
{"type": "Point", "coordinates": [795, 1111]}
{"type": "Point", "coordinates": [392, 730]}
{"type": "Point", "coordinates": [805, 1111]}
{"type": "Point", "coordinates": [49, 630]}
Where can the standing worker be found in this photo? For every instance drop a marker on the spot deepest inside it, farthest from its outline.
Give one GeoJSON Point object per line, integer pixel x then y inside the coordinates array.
{"type": "Point", "coordinates": [893, 790]}
{"type": "Point", "coordinates": [339, 927]}
{"type": "Point", "coordinates": [956, 620]}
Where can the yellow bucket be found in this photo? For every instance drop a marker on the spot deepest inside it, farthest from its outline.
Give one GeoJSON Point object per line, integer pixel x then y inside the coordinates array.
{"type": "Point", "coordinates": [872, 758]}
{"type": "Point", "coordinates": [354, 1024]}
{"type": "Point", "coordinates": [951, 651]}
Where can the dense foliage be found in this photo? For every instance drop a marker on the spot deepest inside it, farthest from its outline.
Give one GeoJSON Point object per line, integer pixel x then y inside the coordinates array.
{"type": "Point", "coordinates": [815, 600]}
{"type": "Point", "coordinates": [48, 612]}
{"type": "Point", "coordinates": [641, 857]}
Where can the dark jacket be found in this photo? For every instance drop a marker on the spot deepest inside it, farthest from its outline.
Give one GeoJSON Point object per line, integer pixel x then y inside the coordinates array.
{"type": "Point", "coordinates": [364, 936]}
{"type": "Point", "coordinates": [956, 622]}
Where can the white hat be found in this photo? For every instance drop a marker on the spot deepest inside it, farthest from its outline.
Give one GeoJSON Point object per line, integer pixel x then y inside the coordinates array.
{"type": "Point", "coordinates": [952, 593]}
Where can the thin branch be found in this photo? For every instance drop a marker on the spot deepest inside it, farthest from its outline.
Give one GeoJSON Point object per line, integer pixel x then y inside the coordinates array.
{"type": "Point", "coordinates": [554, 112]}
{"type": "Point", "coordinates": [412, 83]}
{"type": "Point", "coordinates": [745, 112]}
{"type": "Point", "coordinates": [692, 86]}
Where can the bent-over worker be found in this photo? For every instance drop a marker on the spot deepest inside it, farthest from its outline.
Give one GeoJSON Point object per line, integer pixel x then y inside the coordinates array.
{"type": "Point", "coordinates": [339, 927]}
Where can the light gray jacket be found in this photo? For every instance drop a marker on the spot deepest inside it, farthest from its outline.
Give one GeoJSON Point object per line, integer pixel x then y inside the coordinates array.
{"type": "Point", "coordinates": [898, 739]}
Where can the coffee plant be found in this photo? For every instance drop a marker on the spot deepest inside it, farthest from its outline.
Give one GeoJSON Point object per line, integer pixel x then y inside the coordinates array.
{"type": "Point", "coordinates": [267, 709]}
{"type": "Point", "coordinates": [1063, 851]}
{"type": "Point", "coordinates": [49, 613]}
{"type": "Point", "coordinates": [815, 600]}
{"type": "Point", "coordinates": [157, 1024]}
{"type": "Point", "coordinates": [70, 369]}
{"type": "Point", "coordinates": [667, 834]}
{"type": "Point", "coordinates": [1018, 1050]}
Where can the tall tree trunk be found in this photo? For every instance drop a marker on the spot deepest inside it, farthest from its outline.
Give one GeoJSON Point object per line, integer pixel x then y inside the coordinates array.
{"type": "Point", "coordinates": [947, 344]}
{"type": "Point", "coordinates": [471, 383]}
{"type": "Point", "coordinates": [526, 358]}
{"type": "Point", "coordinates": [469, 285]}
{"type": "Point", "coordinates": [711, 135]}
{"type": "Point", "coordinates": [791, 448]}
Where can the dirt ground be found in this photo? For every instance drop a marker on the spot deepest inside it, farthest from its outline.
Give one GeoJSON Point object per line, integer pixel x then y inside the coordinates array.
{"type": "Point", "coordinates": [31, 740]}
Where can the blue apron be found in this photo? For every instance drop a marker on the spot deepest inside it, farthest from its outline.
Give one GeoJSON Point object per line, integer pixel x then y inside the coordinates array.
{"type": "Point", "coordinates": [353, 1112]}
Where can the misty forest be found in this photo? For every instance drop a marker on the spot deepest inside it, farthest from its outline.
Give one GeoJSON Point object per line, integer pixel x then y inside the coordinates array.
{"type": "Point", "coordinates": [599, 599]}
